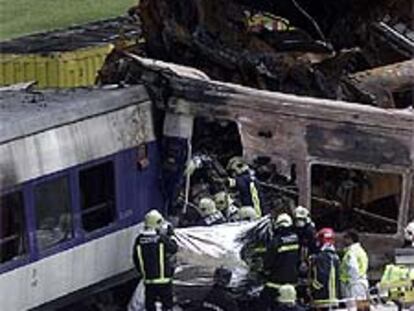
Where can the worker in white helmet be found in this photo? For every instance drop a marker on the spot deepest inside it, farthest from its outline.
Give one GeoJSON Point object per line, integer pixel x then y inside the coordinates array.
{"type": "Point", "coordinates": [409, 235]}
{"type": "Point", "coordinates": [243, 180]}
{"type": "Point", "coordinates": [287, 299]}
{"type": "Point", "coordinates": [225, 205]}
{"type": "Point", "coordinates": [247, 213]}
{"type": "Point", "coordinates": [281, 259]}
{"type": "Point", "coordinates": [209, 213]}
{"type": "Point", "coordinates": [305, 229]}
{"type": "Point", "coordinates": [152, 252]}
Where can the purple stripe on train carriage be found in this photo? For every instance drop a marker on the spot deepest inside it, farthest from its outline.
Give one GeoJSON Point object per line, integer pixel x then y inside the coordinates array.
{"type": "Point", "coordinates": [136, 192]}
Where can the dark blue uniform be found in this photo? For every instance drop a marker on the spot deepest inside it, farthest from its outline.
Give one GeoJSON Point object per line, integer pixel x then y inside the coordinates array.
{"type": "Point", "coordinates": [307, 239]}
{"type": "Point", "coordinates": [214, 219]}
{"type": "Point", "coordinates": [248, 189]}
{"type": "Point", "coordinates": [325, 277]}
{"type": "Point", "coordinates": [280, 264]}
{"type": "Point", "coordinates": [152, 257]}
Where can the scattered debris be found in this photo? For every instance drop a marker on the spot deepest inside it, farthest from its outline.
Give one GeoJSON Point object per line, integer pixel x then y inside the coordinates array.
{"type": "Point", "coordinates": [320, 49]}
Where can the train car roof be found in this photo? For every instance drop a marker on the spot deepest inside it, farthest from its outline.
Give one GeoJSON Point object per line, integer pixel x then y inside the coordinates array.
{"type": "Point", "coordinates": [23, 113]}
{"type": "Point", "coordinates": [72, 38]}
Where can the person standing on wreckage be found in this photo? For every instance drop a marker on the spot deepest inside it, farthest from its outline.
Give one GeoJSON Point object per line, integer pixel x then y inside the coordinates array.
{"type": "Point", "coordinates": [281, 260]}
{"type": "Point", "coordinates": [243, 180]}
{"type": "Point", "coordinates": [152, 256]}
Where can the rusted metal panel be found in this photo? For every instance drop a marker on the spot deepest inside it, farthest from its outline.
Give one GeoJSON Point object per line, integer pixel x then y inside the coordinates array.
{"type": "Point", "coordinates": [349, 143]}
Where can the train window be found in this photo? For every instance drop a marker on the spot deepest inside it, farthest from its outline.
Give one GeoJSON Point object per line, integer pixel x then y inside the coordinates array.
{"type": "Point", "coordinates": [345, 198]}
{"type": "Point", "coordinates": [13, 242]}
{"type": "Point", "coordinates": [53, 212]}
{"type": "Point", "coordinates": [97, 186]}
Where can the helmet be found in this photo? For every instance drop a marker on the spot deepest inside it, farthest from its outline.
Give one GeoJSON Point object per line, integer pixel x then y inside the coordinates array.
{"type": "Point", "coordinates": [207, 206]}
{"type": "Point", "coordinates": [302, 216]}
{"type": "Point", "coordinates": [222, 200]}
{"type": "Point", "coordinates": [326, 236]}
{"type": "Point", "coordinates": [287, 294]}
{"type": "Point", "coordinates": [247, 213]}
{"type": "Point", "coordinates": [222, 276]}
{"type": "Point", "coordinates": [237, 165]}
{"type": "Point", "coordinates": [153, 220]}
{"type": "Point", "coordinates": [283, 220]}
{"type": "Point", "coordinates": [409, 232]}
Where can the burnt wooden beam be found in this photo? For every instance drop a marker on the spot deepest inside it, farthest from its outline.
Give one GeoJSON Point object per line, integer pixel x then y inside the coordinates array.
{"type": "Point", "coordinates": [381, 82]}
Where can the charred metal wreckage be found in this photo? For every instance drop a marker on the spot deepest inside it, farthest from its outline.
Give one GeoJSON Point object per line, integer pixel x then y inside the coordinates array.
{"type": "Point", "coordinates": [351, 163]}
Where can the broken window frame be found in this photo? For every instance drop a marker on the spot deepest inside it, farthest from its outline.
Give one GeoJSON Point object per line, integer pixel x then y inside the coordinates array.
{"type": "Point", "coordinates": [22, 233]}
{"type": "Point", "coordinates": [63, 230]}
{"type": "Point", "coordinates": [109, 204]}
{"type": "Point", "coordinates": [404, 173]}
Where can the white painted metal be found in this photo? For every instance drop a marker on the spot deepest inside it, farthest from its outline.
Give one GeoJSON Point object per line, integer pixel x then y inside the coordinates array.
{"type": "Point", "coordinates": [68, 271]}
{"type": "Point", "coordinates": [75, 143]}
{"type": "Point", "coordinates": [178, 125]}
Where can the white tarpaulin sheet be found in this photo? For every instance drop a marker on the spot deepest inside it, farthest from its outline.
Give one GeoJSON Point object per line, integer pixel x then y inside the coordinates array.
{"type": "Point", "coordinates": [201, 251]}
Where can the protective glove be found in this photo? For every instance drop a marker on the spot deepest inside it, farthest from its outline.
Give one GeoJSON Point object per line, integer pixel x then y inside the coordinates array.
{"type": "Point", "coordinates": [190, 168]}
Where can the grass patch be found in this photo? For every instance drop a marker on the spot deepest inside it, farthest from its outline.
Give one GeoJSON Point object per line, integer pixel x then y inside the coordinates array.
{"type": "Point", "coordinates": [21, 17]}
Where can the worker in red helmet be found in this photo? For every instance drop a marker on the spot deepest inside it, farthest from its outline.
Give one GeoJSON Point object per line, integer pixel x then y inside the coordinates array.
{"type": "Point", "coordinates": [324, 271]}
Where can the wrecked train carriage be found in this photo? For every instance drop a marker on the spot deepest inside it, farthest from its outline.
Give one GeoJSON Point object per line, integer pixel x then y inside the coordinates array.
{"type": "Point", "coordinates": [352, 164]}
{"type": "Point", "coordinates": [311, 48]}
{"type": "Point", "coordinates": [78, 171]}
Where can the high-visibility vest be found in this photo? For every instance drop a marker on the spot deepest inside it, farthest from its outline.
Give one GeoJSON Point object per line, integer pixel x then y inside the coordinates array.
{"type": "Point", "coordinates": [397, 276]}
{"type": "Point", "coordinates": [362, 261]}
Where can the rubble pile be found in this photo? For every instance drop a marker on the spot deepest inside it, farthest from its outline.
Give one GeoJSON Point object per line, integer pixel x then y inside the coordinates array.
{"type": "Point", "coordinates": [350, 50]}
{"type": "Point", "coordinates": [316, 48]}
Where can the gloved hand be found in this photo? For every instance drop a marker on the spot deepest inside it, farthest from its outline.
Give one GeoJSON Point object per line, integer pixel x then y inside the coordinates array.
{"type": "Point", "coordinates": [167, 229]}
{"type": "Point", "coordinates": [190, 168]}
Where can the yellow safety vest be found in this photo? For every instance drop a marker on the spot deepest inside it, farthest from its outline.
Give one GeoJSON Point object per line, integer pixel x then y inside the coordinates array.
{"type": "Point", "coordinates": [362, 261]}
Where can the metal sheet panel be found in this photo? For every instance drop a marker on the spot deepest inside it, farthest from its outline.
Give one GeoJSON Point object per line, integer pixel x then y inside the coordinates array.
{"type": "Point", "coordinates": [72, 144]}
{"type": "Point", "coordinates": [45, 280]}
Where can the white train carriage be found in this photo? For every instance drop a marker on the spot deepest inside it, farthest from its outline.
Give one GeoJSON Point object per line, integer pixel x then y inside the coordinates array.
{"type": "Point", "coordinates": [78, 170]}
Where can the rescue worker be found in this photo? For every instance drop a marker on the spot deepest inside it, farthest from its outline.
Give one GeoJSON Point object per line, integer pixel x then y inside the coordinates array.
{"type": "Point", "coordinates": [210, 215]}
{"type": "Point", "coordinates": [305, 229]}
{"type": "Point", "coordinates": [203, 169]}
{"type": "Point", "coordinates": [287, 299]}
{"type": "Point", "coordinates": [281, 259]}
{"type": "Point", "coordinates": [354, 268]}
{"type": "Point", "coordinates": [397, 282]}
{"type": "Point", "coordinates": [244, 181]}
{"type": "Point", "coordinates": [409, 235]}
{"type": "Point", "coordinates": [247, 213]}
{"type": "Point", "coordinates": [324, 271]}
{"type": "Point", "coordinates": [219, 298]}
{"type": "Point", "coordinates": [152, 255]}
{"type": "Point", "coordinates": [225, 205]}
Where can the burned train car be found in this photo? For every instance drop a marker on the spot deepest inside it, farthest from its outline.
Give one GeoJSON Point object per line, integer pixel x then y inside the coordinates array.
{"type": "Point", "coordinates": [78, 170]}
{"type": "Point", "coordinates": [351, 164]}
